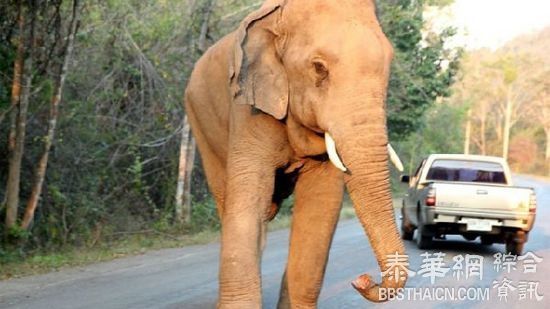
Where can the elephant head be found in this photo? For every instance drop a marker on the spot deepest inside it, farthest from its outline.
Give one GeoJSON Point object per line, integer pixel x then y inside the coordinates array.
{"type": "Point", "coordinates": [322, 66]}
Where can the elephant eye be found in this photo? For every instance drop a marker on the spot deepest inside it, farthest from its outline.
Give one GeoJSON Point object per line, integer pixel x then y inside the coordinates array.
{"type": "Point", "coordinates": [321, 72]}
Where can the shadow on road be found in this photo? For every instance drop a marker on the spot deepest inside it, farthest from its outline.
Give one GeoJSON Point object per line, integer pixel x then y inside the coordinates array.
{"type": "Point", "coordinates": [471, 247]}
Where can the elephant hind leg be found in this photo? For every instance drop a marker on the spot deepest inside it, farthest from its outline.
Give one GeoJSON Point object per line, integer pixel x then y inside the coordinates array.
{"type": "Point", "coordinates": [272, 211]}
{"type": "Point", "coordinates": [285, 183]}
{"type": "Point", "coordinates": [284, 298]}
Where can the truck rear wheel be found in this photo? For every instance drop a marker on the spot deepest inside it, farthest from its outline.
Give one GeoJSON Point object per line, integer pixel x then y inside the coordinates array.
{"type": "Point", "coordinates": [407, 230]}
{"type": "Point", "coordinates": [406, 235]}
{"type": "Point", "coordinates": [514, 247]}
{"type": "Point", "coordinates": [423, 241]}
{"type": "Point", "coordinates": [486, 241]}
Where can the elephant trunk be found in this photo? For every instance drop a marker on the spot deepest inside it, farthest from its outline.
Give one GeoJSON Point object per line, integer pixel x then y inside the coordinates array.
{"type": "Point", "coordinates": [365, 155]}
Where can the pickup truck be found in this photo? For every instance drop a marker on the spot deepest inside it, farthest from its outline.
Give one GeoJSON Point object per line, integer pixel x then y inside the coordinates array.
{"type": "Point", "coordinates": [467, 195]}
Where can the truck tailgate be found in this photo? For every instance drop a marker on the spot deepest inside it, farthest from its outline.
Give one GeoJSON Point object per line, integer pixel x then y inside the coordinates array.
{"type": "Point", "coordinates": [479, 196]}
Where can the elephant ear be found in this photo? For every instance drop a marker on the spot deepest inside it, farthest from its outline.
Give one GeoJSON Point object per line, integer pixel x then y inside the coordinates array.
{"type": "Point", "coordinates": [258, 77]}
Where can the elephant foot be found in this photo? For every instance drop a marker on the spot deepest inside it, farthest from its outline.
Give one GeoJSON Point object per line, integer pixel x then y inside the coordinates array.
{"type": "Point", "coordinates": [239, 305]}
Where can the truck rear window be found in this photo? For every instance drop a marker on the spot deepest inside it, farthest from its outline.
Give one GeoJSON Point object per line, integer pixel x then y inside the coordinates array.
{"type": "Point", "coordinates": [467, 171]}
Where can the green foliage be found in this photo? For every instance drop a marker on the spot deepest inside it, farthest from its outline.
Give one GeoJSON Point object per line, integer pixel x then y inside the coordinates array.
{"type": "Point", "coordinates": [17, 233]}
{"type": "Point", "coordinates": [442, 133]}
{"type": "Point", "coordinates": [508, 67]}
{"type": "Point", "coordinates": [7, 51]}
{"type": "Point", "coordinates": [514, 76]}
{"type": "Point", "coordinates": [423, 68]}
{"type": "Point", "coordinates": [439, 2]}
{"type": "Point", "coordinates": [204, 216]}
{"type": "Point", "coordinates": [286, 206]}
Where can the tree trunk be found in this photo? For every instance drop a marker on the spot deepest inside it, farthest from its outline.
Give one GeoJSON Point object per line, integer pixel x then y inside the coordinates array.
{"type": "Point", "coordinates": [187, 144]}
{"type": "Point", "coordinates": [498, 125]}
{"type": "Point", "coordinates": [17, 65]}
{"type": "Point", "coordinates": [482, 133]}
{"type": "Point", "coordinates": [547, 153]}
{"type": "Point", "coordinates": [185, 168]}
{"type": "Point", "coordinates": [204, 27]}
{"type": "Point", "coordinates": [507, 126]}
{"type": "Point", "coordinates": [468, 132]}
{"type": "Point", "coordinates": [54, 111]}
{"type": "Point", "coordinates": [16, 85]}
{"type": "Point", "coordinates": [187, 199]}
{"type": "Point", "coordinates": [16, 138]}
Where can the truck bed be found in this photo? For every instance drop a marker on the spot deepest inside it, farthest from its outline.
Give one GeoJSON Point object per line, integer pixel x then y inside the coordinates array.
{"type": "Point", "coordinates": [480, 196]}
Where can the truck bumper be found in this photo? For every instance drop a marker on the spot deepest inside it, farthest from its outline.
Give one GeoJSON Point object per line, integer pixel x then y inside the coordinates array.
{"type": "Point", "coordinates": [442, 216]}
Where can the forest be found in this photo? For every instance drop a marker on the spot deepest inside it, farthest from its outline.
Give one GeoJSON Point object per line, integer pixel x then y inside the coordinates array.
{"type": "Point", "coordinates": [498, 106]}
{"type": "Point", "coordinates": [95, 145]}
{"type": "Point", "coordinates": [505, 93]}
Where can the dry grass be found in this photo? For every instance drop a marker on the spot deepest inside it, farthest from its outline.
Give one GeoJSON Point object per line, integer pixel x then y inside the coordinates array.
{"type": "Point", "coordinates": [129, 245]}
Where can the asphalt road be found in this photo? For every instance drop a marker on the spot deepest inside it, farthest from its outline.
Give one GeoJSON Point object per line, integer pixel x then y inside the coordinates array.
{"type": "Point", "coordinates": [187, 277]}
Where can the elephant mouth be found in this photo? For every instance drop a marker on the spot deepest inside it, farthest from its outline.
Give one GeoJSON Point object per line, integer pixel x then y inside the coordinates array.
{"type": "Point", "coordinates": [337, 161]}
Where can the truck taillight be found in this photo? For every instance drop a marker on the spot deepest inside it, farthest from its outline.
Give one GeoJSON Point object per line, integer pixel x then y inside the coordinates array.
{"type": "Point", "coordinates": [430, 197]}
{"type": "Point", "coordinates": [533, 203]}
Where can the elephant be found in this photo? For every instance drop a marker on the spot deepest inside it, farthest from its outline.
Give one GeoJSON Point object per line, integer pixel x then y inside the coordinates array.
{"type": "Point", "coordinates": [293, 101]}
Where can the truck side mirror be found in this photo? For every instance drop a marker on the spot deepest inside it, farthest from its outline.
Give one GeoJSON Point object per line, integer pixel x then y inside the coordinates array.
{"type": "Point", "coordinates": [405, 178]}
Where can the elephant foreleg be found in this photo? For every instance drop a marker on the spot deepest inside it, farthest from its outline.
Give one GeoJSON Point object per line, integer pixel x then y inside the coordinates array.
{"type": "Point", "coordinates": [248, 196]}
{"type": "Point", "coordinates": [318, 200]}
{"type": "Point", "coordinates": [212, 164]}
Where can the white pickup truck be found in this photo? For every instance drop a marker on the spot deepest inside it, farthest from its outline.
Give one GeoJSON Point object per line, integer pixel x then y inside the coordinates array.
{"type": "Point", "coordinates": [468, 195]}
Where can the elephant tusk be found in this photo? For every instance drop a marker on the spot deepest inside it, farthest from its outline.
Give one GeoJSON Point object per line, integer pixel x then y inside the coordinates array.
{"type": "Point", "coordinates": [332, 154]}
{"type": "Point", "coordinates": [395, 158]}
